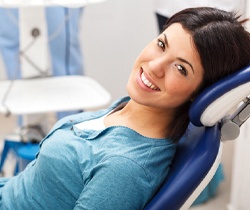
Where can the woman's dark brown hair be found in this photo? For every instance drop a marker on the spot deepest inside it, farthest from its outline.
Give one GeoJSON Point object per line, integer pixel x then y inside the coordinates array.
{"type": "Point", "coordinates": [222, 43]}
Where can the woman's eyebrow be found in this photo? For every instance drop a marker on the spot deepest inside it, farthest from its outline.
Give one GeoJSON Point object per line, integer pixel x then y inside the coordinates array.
{"type": "Point", "coordinates": [165, 39]}
{"type": "Point", "coordinates": [181, 59]}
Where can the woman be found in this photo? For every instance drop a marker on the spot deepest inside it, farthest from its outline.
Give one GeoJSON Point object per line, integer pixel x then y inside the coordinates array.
{"type": "Point", "coordinates": [117, 158]}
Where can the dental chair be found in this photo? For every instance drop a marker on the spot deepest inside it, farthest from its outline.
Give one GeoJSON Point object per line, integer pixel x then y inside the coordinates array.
{"type": "Point", "coordinates": [216, 115]}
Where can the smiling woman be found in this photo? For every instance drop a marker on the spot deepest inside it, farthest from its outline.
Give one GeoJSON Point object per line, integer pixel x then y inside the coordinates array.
{"type": "Point", "coordinates": [88, 159]}
{"type": "Point", "coordinates": [165, 77]}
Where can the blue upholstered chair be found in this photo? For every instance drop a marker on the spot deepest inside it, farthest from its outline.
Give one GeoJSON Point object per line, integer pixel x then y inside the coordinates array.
{"type": "Point", "coordinates": [216, 115]}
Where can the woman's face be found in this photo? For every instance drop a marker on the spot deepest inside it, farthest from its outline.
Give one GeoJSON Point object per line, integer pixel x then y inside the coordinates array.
{"type": "Point", "coordinates": [167, 72]}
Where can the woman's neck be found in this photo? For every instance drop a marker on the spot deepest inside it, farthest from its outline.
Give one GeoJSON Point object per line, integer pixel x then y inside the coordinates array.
{"type": "Point", "coordinates": [145, 120]}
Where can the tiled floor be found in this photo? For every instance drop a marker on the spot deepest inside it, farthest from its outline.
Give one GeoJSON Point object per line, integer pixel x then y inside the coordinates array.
{"type": "Point", "coordinates": [7, 125]}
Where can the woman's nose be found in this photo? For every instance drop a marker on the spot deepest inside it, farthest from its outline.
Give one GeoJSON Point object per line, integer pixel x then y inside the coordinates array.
{"type": "Point", "coordinates": [158, 67]}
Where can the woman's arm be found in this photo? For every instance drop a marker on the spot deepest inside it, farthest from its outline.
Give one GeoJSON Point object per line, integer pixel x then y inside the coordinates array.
{"type": "Point", "coordinates": [118, 183]}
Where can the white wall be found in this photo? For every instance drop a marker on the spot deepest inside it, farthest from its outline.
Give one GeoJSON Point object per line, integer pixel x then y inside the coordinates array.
{"type": "Point", "coordinates": [113, 34]}
{"type": "Point", "coordinates": [240, 187]}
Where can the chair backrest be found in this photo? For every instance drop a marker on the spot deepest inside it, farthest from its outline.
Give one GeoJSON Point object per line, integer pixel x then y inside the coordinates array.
{"type": "Point", "coordinates": [188, 168]}
{"type": "Point", "coordinates": [198, 157]}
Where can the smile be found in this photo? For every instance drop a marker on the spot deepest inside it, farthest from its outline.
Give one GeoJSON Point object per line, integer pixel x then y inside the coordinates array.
{"type": "Point", "coordinates": [148, 83]}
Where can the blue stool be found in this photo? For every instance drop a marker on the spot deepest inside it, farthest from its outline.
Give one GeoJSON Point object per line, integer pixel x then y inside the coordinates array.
{"type": "Point", "coordinates": [26, 154]}
{"type": "Point", "coordinates": [10, 145]}
{"type": "Point", "coordinates": [13, 146]}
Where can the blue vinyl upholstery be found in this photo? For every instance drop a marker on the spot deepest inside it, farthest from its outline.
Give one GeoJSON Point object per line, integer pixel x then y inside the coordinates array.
{"type": "Point", "coordinates": [188, 168]}
{"type": "Point", "coordinates": [215, 91]}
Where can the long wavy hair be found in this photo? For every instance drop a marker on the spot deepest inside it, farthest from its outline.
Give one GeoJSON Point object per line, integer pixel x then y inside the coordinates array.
{"type": "Point", "coordinates": [222, 43]}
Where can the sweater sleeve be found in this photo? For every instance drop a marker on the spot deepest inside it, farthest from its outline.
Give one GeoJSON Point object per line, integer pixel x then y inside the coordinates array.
{"type": "Point", "coordinates": [117, 183]}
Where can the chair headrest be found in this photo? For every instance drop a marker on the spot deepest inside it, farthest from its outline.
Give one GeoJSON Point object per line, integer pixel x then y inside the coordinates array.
{"type": "Point", "coordinates": [215, 102]}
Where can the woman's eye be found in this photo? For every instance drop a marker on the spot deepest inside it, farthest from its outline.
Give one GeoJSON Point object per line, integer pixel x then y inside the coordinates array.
{"type": "Point", "coordinates": [182, 70]}
{"type": "Point", "coordinates": [161, 44]}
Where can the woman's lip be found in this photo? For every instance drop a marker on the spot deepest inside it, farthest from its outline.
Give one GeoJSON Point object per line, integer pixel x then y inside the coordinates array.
{"type": "Point", "coordinates": [147, 82]}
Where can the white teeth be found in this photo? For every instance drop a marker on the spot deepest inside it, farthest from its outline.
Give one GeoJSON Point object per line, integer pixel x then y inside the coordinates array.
{"type": "Point", "coordinates": [147, 83]}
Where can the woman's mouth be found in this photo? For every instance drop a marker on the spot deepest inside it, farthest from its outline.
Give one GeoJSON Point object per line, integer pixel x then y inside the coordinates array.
{"type": "Point", "coordinates": [148, 83]}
